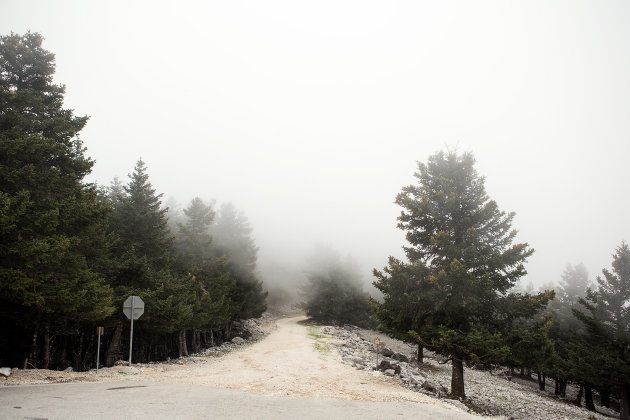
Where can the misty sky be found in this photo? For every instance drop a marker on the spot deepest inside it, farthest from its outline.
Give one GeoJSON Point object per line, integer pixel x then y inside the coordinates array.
{"type": "Point", "coordinates": [310, 116]}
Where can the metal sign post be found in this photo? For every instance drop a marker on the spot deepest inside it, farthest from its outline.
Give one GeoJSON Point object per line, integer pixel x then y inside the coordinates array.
{"type": "Point", "coordinates": [99, 332]}
{"type": "Point", "coordinates": [133, 309]}
{"type": "Point", "coordinates": [377, 342]}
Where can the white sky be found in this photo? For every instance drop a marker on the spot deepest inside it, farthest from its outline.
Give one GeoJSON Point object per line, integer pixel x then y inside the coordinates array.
{"type": "Point", "coordinates": [310, 116]}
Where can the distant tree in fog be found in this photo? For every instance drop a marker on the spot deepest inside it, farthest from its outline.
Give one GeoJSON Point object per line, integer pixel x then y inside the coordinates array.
{"type": "Point", "coordinates": [573, 284]}
{"type": "Point", "coordinates": [607, 320]}
{"type": "Point", "coordinates": [233, 240]}
{"type": "Point", "coordinates": [334, 292]}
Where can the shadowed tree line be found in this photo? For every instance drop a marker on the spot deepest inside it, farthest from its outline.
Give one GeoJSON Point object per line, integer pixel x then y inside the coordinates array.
{"type": "Point", "coordinates": [71, 252]}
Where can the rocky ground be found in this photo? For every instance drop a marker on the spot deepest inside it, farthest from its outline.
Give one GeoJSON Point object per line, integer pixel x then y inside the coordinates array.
{"type": "Point", "coordinates": [489, 393]}
{"type": "Point", "coordinates": [278, 365]}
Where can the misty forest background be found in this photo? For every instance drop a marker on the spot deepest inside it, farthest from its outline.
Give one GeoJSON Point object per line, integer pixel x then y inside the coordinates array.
{"type": "Point", "coordinates": [71, 252]}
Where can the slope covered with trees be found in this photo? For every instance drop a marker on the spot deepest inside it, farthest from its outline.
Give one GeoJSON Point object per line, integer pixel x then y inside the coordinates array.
{"type": "Point", "coordinates": [71, 253]}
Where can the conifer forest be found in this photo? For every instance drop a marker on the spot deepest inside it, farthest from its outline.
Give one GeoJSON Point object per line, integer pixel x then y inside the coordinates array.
{"type": "Point", "coordinates": [72, 251]}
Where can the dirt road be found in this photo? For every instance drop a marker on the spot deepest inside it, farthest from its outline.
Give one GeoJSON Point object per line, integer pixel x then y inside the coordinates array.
{"type": "Point", "coordinates": [293, 361]}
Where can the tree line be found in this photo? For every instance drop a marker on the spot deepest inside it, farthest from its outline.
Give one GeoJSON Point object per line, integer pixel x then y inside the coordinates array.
{"type": "Point", "coordinates": [71, 252]}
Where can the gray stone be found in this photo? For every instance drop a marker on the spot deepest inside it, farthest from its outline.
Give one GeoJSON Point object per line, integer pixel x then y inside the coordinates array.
{"type": "Point", "coordinates": [129, 370]}
{"type": "Point", "coordinates": [5, 371]}
{"type": "Point", "coordinates": [400, 357]}
{"type": "Point", "coordinates": [238, 340]}
{"type": "Point", "coordinates": [386, 352]}
{"type": "Point", "coordinates": [389, 372]}
{"type": "Point", "coordinates": [458, 404]}
{"type": "Point", "coordinates": [429, 386]}
{"type": "Point", "coordinates": [68, 369]}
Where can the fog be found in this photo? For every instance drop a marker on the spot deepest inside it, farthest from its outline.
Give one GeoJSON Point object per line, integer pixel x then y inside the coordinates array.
{"type": "Point", "coordinates": [310, 116]}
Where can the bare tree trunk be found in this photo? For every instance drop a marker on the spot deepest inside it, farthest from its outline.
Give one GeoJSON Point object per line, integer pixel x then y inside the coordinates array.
{"type": "Point", "coordinates": [420, 354]}
{"type": "Point", "coordinates": [78, 354]}
{"type": "Point", "coordinates": [522, 371]}
{"type": "Point", "coordinates": [542, 380]}
{"type": "Point", "coordinates": [624, 402]}
{"type": "Point", "coordinates": [183, 350]}
{"type": "Point", "coordinates": [557, 386]}
{"type": "Point", "coordinates": [46, 347]}
{"type": "Point", "coordinates": [563, 388]}
{"type": "Point", "coordinates": [113, 351]}
{"type": "Point", "coordinates": [457, 379]}
{"type": "Point", "coordinates": [604, 396]}
{"type": "Point", "coordinates": [588, 397]}
{"type": "Point", "coordinates": [578, 399]}
{"type": "Point", "coordinates": [32, 353]}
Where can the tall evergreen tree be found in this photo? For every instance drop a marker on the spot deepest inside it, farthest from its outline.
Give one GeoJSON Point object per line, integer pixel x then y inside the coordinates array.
{"type": "Point", "coordinates": [232, 236]}
{"type": "Point", "coordinates": [209, 277]}
{"type": "Point", "coordinates": [574, 284]}
{"type": "Point", "coordinates": [53, 240]}
{"type": "Point", "coordinates": [608, 325]}
{"type": "Point", "coordinates": [466, 242]}
{"type": "Point", "coordinates": [143, 255]}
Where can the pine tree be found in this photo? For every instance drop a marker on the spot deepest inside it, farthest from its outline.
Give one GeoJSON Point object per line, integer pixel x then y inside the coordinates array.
{"type": "Point", "coordinates": [334, 292]}
{"type": "Point", "coordinates": [53, 242]}
{"type": "Point", "coordinates": [466, 242]}
{"type": "Point", "coordinates": [607, 350]}
{"type": "Point", "coordinates": [232, 236]}
{"type": "Point", "coordinates": [208, 275]}
{"type": "Point", "coordinates": [574, 284]}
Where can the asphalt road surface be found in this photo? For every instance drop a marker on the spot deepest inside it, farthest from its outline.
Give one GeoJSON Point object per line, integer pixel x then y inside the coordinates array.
{"type": "Point", "coordinates": [148, 400]}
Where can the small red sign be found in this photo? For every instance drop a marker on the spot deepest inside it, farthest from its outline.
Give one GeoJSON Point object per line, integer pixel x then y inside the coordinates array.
{"type": "Point", "coordinates": [99, 330]}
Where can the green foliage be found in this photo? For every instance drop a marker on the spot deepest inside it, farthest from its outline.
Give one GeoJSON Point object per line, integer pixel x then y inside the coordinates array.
{"type": "Point", "coordinates": [605, 352]}
{"type": "Point", "coordinates": [334, 294]}
{"type": "Point", "coordinates": [406, 309]}
{"type": "Point", "coordinates": [461, 247]}
{"type": "Point", "coordinates": [53, 244]}
{"type": "Point", "coordinates": [233, 241]}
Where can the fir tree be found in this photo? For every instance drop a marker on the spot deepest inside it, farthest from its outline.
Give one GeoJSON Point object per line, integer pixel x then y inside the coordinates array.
{"type": "Point", "coordinates": [607, 351]}
{"type": "Point", "coordinates": [232, 236]}
{"type": "Point", "coordinates": [466, 242]}
{"type": "Point", "coordinates": [53, 244]}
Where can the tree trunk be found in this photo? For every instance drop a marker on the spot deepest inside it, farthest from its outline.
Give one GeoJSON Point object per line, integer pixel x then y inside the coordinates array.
{"type": "Point", "coordinates": [624, 402]}
{"type": "Point", "coordinates": [557, 386]}
{"type": "Point", "coordinates": [604, 396]}
{"type": "Point", "coordinates": [457, 379]}
{"type": "Point", "coordinates": [78, 353]}
{"type": "Point", "coordinates": [183, 350]}
{"type": "Point", "coordinates": [578, 399]}
{"type": "Point", "coordinates": [522, 371]}
{"type": "Point", "coordinates": [46, 347]}
{"type": "Point", "coordinates": [211, 337]}
{"type": "Point", "coordinates": [588, 397]}
{"type": "Point", "coordinates": [113, 351]}
{"type": "Point", "coordinates": [33, 349]}
{"type": "Point", "coordinates": [563, 388]}
{"type": "Point", "coordinates": [542, 380]}
{"type": "Point", "coordinates": [420, 358]}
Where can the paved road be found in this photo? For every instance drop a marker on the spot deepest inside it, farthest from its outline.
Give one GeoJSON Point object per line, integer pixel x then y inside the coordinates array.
{"type": "Point", "coordinates": [144, 400]}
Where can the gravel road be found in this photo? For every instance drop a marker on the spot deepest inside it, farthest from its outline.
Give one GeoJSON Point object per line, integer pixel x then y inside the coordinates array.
{"type": "Point", "coordinates": [293, 368]}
